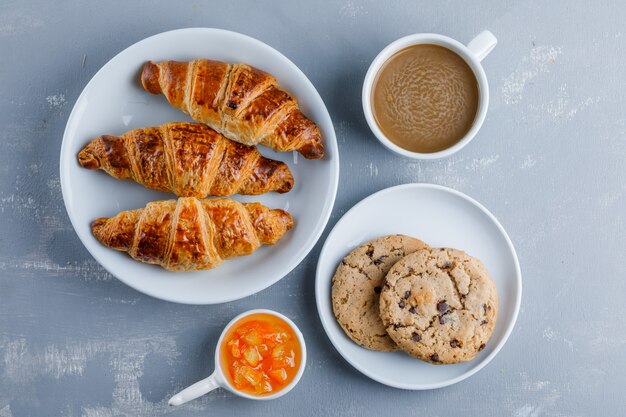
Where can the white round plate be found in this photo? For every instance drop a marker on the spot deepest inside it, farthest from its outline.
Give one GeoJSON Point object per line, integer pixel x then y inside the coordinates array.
{"type": "Point", "coordinates": [441, 217]}
{"type": "Point", "coordinates": [114, 102]}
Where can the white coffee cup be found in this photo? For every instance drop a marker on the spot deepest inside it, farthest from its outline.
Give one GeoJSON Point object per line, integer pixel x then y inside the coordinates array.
{"type": "Point", "coordinates": [473, 53]}
{"type": "Point", "coordinates": [218, 378]}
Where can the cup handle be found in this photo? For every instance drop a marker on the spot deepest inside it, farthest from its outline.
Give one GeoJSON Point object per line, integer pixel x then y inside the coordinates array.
{"type": "Point", "coordinates": [482, 44]}
{"type": "Point", "coordinates": [196, 390]}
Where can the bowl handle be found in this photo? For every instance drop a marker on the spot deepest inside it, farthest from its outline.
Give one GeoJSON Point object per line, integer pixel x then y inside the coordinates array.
{"type": "Point", "coordinates": [196, 390]}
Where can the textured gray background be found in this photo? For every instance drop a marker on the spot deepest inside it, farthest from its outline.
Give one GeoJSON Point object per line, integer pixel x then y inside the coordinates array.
{"type": "Point", "coordinates": [549, 163]}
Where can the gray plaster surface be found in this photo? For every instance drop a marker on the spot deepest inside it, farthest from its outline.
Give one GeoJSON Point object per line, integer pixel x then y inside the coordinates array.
{"type": "Point", "coordinates": [549, 163]}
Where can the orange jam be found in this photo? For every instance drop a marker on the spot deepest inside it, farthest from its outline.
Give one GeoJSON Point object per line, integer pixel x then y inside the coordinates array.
{"type": "Point", "coordinates": [260, 354]}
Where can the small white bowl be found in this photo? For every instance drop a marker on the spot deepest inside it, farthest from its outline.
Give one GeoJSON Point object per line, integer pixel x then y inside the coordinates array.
{"type": "Point", "coordinates": [473, 53]}
{"type": "Point", "coordinates": [218, 378]}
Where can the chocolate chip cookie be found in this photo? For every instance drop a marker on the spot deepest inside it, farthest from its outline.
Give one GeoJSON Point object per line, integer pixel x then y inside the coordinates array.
{"type": "Point", "coordinates": [439, 305]}
{"type": "Point", "coordinates": [357, 284]}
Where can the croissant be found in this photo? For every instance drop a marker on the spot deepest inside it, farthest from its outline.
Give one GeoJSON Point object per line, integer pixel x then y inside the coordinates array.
{"type": "Point", "coordinates": [240, 101]}
{"type": "Point", "coordinates": [188, 159]}
{"type": "Point", "coordinates": [190, 234]}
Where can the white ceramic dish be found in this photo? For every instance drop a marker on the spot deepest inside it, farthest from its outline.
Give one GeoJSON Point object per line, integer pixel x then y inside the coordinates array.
{"type": "Point", "coordinates": [114, 102]}
{"type": "Point", "coordinates": [441, 217]}
{"type": "Point", "coordinates": [473, 53]}
{"type": "Point", "coordinates": [218, 378]}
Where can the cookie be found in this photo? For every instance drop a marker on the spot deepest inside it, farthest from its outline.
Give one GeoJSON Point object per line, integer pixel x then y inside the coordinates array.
{"type": "Point", "coordinates": [439, 305]}
{"type": "Point", "coordinates": [357, 284]}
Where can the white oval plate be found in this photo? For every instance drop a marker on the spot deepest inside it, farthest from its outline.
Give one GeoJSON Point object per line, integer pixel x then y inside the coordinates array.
{"type": "Point", "coordinates": [442, 217]}
{"type": "Point", "coordinates": [114, 102]}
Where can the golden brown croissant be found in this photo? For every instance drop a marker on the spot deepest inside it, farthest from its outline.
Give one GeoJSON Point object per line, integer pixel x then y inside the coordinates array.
{"type": "Point", "coordinates": [188, 159]}
{"type": "Point", "coordinates": [240, 101]}
{"type": "Point", "coordinates": [190, 234]}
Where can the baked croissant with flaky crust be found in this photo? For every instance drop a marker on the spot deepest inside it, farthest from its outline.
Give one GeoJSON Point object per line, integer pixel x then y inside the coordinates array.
{"type": "Point", "coordinates": [187, 159]}
{"type": "Point", "coordinates": [240, 101]}
{"type": "Point", "coordinates": [190, 234]}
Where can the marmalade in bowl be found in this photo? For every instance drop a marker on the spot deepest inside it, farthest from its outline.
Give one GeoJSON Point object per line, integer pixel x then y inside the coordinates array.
{"type": "Point", "coordinates": [260, 354]}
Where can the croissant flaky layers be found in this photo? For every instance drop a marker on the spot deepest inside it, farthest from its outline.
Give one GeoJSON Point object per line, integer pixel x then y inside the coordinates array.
{"type": "Point", "coordinates": [187, 159]}
{"type": "Point", "coordinates": [240, 101]}
{"type": "Point", "coordinates": [190, 234]}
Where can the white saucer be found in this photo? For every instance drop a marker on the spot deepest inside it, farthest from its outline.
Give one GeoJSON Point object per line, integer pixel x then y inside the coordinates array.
{"type": "Point", "coordinates": [441, 217]}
